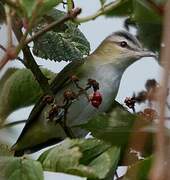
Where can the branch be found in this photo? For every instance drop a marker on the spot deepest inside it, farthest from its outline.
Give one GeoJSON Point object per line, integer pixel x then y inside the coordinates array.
{"type": "Point", "coordinates": [106, 8]}
{"type": "Point", "coordinates": [158, 171]}
{"type": "Point", "coordinates": [69, 16]}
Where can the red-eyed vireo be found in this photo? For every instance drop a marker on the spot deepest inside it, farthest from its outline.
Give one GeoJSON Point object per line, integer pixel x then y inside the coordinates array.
{"type": "Point", "coordinates": [106, 65]}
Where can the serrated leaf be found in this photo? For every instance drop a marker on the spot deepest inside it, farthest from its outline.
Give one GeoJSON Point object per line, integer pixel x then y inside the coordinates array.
{"type": "Point", "coordinates": [20, 90]}
{"type": "Point", "coordinates": [114, 127]}
{"type": "Point", "coordinates": [139, 170]}
{"type": "Point", "coordinates": [72, 156]}
{"type": "Point", "coordinates": [65, 42]}
{"type": "Point", "coordinates": [20, 168]}
{"type": "Point", "coordinates": [38, 8]}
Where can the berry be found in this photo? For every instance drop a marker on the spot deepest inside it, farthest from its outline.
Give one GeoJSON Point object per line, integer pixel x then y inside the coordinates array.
{"type": "Point", "coordinates": [130, 102]}
{"type": "Point", "coordinates": [96, 99]}
{"type": "Point", "coordinates": [69, 95]}
{"type": "Point", "coordinates": [48, 99]}
{"type": "Point", "coordinates": [94, 84]}
{"type": "Point", "coordinates": [74, 78]}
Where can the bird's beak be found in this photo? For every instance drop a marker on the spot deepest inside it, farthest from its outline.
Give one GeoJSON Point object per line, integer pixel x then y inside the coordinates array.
{"type": "Point", "coordinates": [146, 53]}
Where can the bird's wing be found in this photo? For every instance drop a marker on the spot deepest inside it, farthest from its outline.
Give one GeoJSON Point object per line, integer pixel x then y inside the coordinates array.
{"type": "Point", "coordinates": [61, 79]}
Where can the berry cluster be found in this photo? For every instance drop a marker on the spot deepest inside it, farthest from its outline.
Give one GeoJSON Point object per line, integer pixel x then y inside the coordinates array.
{"type": "Point", "coordinates": [95, 98]}
{"type": "Point", "coordinates": [150, 94]}
{"type": "Point", "coordinates": [59, 112]}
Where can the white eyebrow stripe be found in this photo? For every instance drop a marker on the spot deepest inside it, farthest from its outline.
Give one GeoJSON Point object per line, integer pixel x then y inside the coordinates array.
{"type": "Point", "coordinates": [119, 39]}
{"type": "Point", "coordinates": [125, 36]}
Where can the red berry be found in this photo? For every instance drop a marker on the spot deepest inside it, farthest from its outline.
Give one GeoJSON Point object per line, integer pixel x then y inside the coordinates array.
{"type": "Point", "coordinates": [96, 99]}
{"type": "Point", "coordinates": [96, 104]}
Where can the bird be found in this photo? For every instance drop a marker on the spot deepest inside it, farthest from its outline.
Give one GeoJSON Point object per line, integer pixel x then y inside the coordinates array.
{"type": "Point", "coordinates": [106, 65]}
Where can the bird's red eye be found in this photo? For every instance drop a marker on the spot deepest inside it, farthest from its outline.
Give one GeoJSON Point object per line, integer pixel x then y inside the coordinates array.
{"type": "Point", "coordinates": [123, 44]}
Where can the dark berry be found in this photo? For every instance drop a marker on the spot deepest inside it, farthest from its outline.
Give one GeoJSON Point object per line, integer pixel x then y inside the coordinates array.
{"type": "Point", "coordinates": [69, 95]}
{"type": "Point", "coordinates": [130, 102]}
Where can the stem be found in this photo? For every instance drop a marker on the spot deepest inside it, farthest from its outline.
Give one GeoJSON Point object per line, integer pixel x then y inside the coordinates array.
{"type": "Point", "coordinates": [9, 26]}
{"type": "Point", "coordinates": [13, 124]}
{"type": "Point", "coordinates": [66, 129]}
{"type": "Point", "coordinates": [31, 64]}
{"type": "Point", "coordinates": [158, 170]}
{"type": "Point", "coordinates": [101, 11]}
{"type": "Point", "coordinates": [67, 17]}
{"type": "Point", "coordinates": [3, 48]}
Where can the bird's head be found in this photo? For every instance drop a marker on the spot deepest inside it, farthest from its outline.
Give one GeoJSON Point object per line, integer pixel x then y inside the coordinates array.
{"type": "Point", "coordinates": [121, 47]}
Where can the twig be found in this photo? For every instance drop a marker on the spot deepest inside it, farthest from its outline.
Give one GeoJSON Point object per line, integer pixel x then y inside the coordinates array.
{"type": "Point", "coordinates": [158, 170]}
{"type": "Point", "coordinates": [63, 123]}
{"type": "Point", "coordinates": [13, 124]}
{"type": "Point", "coordinates": [67, 17]}
{"type": "Point", "coordinates": [30, 62]}
{"type": "Point", "coordinates": [106, 8]}
{"type": "Point", "coordinates": [3, 48]}
{"type": "Point", "coordinates": [158, 9]}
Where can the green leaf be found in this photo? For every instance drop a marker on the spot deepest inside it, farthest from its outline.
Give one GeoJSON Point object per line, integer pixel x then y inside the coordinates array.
{"type": "Point", "coordinates": [125, 8]}
{"type": "Point", "coordinates": [28, 6]}
{"type": "Point", "coordinates": [144, 13]}
{"type": "Point", "coordinates": [5, 150]}
{"type": "Point", "coordinates": [139, 170]}
{"type": "Point", "coordinates": [37, 8]}
{"type": "Point", "coordinates": [65, 42]}
{"type": "Point", "coordinates": [5, 77]}
{"type": "Point", "coordinates": [147, 33]}
{"type": "Point", "coordinates": [139, 11]}
{"type": "Point", "coordinates": [114, 127]}
{"type": "Point", "coordinates": [20, 89]}
{"type": "Point", "coordinates": [90, 158]}
{"type": "Point", "coordinates": [102, 2]}
{"type": "Point", "coordinates": [20, 168]}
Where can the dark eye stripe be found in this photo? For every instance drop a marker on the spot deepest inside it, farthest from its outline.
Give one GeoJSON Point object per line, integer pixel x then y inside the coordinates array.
{"type": "Point", "coordinates": [127, 46]}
